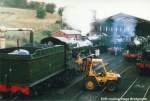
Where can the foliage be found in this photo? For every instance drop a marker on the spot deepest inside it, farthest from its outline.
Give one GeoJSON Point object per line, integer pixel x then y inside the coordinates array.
{"type": "Point", "coordinates": [60, 11]}
{"type": "Point", "coordinates": [40, 12]}
{"type": "Point", "coordinates": [46, 33]}
{"type": "Point", "coordinates": [16, 3]}
{"type": "Point", "coordinates": [34, 5]}
{"type": "Point", "coordinates": [50, 8]}
{"type": "Point", "coordinates": [62, 24]}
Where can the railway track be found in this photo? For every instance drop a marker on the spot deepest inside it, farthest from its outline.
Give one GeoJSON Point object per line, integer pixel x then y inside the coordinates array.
{"type": "Point", "coordinates": [136, 90]}
{"type": "Point", "coordinates": [78, 83]}
{"type": "Point", "coordinates": [92, 95]}
{"type": "Point", "coordinates": [98, 95]}
{"type": "Point", "coordinates": [132, 86]}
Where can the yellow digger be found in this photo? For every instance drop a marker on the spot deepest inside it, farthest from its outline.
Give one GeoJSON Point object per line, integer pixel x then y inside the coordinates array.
{"type": "Point", "coordinates": [107, 79]}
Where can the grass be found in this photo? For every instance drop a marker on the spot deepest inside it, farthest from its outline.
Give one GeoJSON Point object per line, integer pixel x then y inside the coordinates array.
{"type": "Point", "coordinates": [14, 17]}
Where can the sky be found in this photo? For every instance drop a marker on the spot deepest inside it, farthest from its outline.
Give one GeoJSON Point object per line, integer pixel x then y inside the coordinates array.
{"type": "Point", "coordinates": [105, 8]}
{"type": "Point", "coordinates": [80, 13]}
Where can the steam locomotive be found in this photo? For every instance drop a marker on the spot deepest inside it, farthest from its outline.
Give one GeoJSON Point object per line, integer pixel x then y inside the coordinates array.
{"type": "Point", "coordinates": [143, 63]}
{"type": "Point", "coordinates": [135, 48]}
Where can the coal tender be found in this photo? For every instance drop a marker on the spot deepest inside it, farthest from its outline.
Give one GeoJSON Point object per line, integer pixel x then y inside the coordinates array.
{"type": "Point", "coordinates": [23, 69]}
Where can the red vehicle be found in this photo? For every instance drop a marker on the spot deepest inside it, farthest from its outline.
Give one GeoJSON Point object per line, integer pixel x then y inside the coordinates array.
{"type": "Point", "coordinates": [143, 63]}
{"type": "Point", "coordinates": [133, 52]}
{"type": "Point", "coordinates": [132, 56]}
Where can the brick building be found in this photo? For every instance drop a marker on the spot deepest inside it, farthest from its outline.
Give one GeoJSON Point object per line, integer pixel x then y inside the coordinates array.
{"type": "Point", "coordinates": [69, 34]}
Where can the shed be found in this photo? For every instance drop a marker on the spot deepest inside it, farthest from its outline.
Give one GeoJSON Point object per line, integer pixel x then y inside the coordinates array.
{"type": "Point", "coordinates": [69, 34]}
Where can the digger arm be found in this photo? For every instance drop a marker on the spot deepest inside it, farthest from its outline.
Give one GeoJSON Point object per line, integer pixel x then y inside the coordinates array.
{"type": "Point", "coordinates": [82, 62]}
{"type": "Point", "coordinates": [97, 61]}
{"type": "Point", "coordinates": [85, 64]}
{"type": "Point", "coordinates": [79, 60]}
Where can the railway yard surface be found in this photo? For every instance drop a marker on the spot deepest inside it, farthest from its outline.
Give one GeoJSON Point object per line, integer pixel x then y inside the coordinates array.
{"type": "Point", "coordinates": [133, 87]}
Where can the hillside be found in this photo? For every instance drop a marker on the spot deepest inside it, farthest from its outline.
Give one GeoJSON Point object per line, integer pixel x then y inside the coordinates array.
{"type": "Point", "coordinates": [13, 17]}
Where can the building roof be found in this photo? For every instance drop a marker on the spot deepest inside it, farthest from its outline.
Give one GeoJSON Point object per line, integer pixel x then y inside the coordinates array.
{"type": "Point", "coordinates": [142, 25]}
{"type": "Point", "coordinates": [71, 31]}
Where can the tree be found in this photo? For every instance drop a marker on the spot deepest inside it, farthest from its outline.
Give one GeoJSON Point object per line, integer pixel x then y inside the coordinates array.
{"type": "Point", "coordinates": [50, 8]}
{"type": "Point", "coordinates": [60, 11]}
{"type": "Point", "coordinates": [40, 12]}
{"type": "Point", "coordinates": [34, 5]}
{"type": "Point", "coordinates": [16, 3]}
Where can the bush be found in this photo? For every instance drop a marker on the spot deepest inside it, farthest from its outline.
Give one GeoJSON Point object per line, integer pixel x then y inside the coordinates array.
{"type": "Point", "coordinates": [46, 33]}
{"type": "Point", "coordinates": [40, 12]}
{"type": "Point", "coordinates": [50, 8]}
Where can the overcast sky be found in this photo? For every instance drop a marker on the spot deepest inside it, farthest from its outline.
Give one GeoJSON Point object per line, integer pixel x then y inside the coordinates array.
{"type": "Point", "coordinates": [105, 8]}
{"type": "Point", "coordinates": [79, 13]}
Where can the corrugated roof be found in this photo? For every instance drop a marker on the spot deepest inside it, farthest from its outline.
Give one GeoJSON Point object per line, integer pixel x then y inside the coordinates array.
{"type": "Point", "coordinates": [142, 25]}
{"type": "Point", "coordinates": [71, 31]}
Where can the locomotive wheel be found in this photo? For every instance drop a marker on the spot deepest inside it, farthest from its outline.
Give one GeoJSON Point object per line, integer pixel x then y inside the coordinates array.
{"type": "Point", "coordinates": [90, 83]}
{"type": "Point", "coordinates": [17, 95]}
{"type": "Point", "coordinates": [1, 97]}
{"type": "Point", "coordinates": [4, 96]}
{"type": "Point", "coordinates": [140, 71]}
